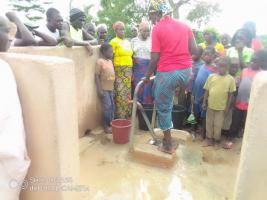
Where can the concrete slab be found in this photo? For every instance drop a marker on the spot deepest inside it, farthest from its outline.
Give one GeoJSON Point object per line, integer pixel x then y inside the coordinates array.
{"type": "Point", "coordinates": [176, 134]}
{"type": "Point", "coordinates": [97, 131]}
{"type": "Point", "coordinates": [150, 155]}
{"type": "Point", "coordinates": [85, 142]}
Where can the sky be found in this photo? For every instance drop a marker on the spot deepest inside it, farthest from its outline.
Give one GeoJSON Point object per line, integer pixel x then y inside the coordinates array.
{"type": "Point", "coordinates": [234, 13]}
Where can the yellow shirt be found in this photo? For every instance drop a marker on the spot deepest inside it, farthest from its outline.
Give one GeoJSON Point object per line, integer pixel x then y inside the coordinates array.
{"type": "Point", "coordinates": [219, 88]}
{"type": "Point", "coordinates": [76, 34]}
{"type": "Point", "coordinates": [218, 47]}
{"type": "Point", "coordinates": [122, 52]}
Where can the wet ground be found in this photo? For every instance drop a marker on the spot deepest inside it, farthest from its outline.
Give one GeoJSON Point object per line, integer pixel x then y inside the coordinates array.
{"type": "Point", "coordinates": [201, 173]}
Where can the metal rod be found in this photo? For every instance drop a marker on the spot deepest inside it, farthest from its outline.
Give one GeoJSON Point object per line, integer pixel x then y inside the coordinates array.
{"type": "Point", "coordinates": [153, 121]}
{"type": "Point", "coordinates": [133, 128]}
{"type": "Point", "coordinates": [151, 130]}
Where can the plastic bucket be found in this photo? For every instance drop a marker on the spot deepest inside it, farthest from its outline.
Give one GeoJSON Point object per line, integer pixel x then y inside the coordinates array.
{"type": "Point", "coordinates": [121, 130]}
{"type": "Point", "coordinates": [148, 108]}
{"type": "Point", "coordinates": [178, 116]}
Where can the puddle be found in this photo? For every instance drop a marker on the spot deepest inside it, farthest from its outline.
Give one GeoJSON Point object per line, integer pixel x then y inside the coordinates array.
{"type": "Point", "coordinates": [200, 173]}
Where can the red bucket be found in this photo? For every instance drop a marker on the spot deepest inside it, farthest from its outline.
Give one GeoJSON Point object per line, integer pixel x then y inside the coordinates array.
{"type": "Point", "coordinates": [121, 130]}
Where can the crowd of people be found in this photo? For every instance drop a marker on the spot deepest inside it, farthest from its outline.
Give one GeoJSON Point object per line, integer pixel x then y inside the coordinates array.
{"type": "Point", "coordinates": [216, 74]}
{"type": "Point", "coordinates": [219, 84]}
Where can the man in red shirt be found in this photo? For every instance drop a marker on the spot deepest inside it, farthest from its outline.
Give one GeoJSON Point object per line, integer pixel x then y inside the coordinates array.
{"type": "Point", "coordinates": [173, 44]}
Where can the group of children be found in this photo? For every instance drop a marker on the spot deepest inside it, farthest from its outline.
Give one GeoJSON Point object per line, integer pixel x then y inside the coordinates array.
{"type": "Point", "coordinates": [220, 93]}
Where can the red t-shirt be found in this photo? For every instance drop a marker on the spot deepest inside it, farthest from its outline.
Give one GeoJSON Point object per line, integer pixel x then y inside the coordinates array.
{"type": "Point", "coordinates": [256, 44]}
{"type": "Point", "coordinates": [170, 38]}
{"type": "Point", "coordinates": [242, 99]}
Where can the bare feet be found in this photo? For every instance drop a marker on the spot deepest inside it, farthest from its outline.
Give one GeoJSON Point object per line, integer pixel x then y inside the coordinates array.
{"type": "Point", "coordinates": [166, 147]}
{"type": "Point", "coordinates": [208, 142]}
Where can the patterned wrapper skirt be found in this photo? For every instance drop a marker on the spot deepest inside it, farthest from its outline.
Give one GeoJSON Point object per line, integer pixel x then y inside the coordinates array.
{"type": "Point", "coordinates": [122, 90]}
{"type": "Point", "coordinates": [164, 87]}
{"type": "Point", "coordinates": [140, 69]}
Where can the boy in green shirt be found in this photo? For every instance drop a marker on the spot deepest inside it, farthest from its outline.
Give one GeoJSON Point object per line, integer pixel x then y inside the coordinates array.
{"type": "Point", "coordinates": [219, 91]}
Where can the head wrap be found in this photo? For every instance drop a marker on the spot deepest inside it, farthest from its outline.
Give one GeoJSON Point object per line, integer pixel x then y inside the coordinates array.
{"type": "Point", "coordinates": [75, 14]}
{"type": "Point", "coordinates": [160, 6]}
{"type": "Point", "coordinates": [117, 24]}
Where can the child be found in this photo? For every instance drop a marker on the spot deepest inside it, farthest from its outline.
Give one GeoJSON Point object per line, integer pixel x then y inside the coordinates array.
{"type": "Point", "coordinates": [105, 77]}
{"type": "Point", "coordinates": [197, 63]}
{"type": "Point", "coordinates": [219, 90]}
{"type": "Point", "coordinates": [261, 55]}
{"type": "Point", "coordinates": [258, 62]}
{"type": "Point", "coordinates": [205, 70]}
{"type": "Point", "coordinates": [234, 67]}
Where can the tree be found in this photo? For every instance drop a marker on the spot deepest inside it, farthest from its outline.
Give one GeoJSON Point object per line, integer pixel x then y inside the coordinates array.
{"type": "Point", "coordinates": [32, 9]}
{"type": "Point", "coordinates": [203, 12]}
{"type": "Point", "coordinates": [128, 11]}
{"type": "Point", "coordinates": [200, 13]}
{"type": "Point", "coordinates": [89, 18]}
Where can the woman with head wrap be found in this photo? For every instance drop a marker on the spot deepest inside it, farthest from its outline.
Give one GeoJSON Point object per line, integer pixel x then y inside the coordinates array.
{"type": "Point", "coordinates": [123, 71]}
{"type": "Point", "coordinates": [241, 48]}
{"type": "Point", "coordinates": [141, 46]}
{"type": "Point", "coordinates": [171, 57]}
{"type": "Point", "coordinates": [211, 40]}
{"type": "Point", "coordinates": [102, 34]}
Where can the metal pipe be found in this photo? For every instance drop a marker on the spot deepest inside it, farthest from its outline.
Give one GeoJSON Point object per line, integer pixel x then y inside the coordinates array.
{"type": "Point", "coordinates": [151, 130]}
{"type": "Point", "coordinates": [133, 128]}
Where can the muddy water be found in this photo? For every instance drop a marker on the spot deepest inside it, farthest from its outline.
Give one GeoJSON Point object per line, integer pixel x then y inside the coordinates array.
{"type": "Point", "coordinates": [200, 173]}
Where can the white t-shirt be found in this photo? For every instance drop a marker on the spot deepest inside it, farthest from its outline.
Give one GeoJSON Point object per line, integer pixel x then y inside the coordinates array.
{"type": "Point", "coordinates": [14, 161]}
{"type": "Point", "coordinates": [43, 29]}
{"type": "Point", "coordinates": [141, 48]}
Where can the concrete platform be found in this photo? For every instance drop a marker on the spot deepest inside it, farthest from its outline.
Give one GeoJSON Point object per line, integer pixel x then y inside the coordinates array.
{"type": "Point", "coordinates": [149, 154]}
{"type": "Point", "coordinates": [197, 174]}
{"type": "Point", "coordinates": [85, 142]}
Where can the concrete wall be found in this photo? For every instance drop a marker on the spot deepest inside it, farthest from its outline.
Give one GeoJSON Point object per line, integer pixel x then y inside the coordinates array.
{"type": "Point", "coordinates": [47, 91]}
{"type": "Point", "coordinates": [89, 110]}
{"type": "Point", "coordinates": [252, 175]}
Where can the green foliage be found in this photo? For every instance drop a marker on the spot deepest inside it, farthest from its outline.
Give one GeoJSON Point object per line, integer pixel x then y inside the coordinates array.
{"type": "Point", "coordinates": [198, 36]}
{"type": "Point", "coordinates": [89, 18]}
{"type": "Point", "coordinates": [214, 31]}
{"type": "Point", "coordinates": [32, 9]}
{"type": "Point", "coordinates": [127, 11]}
{"type": "Point", "coordinates": [202, 12]}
